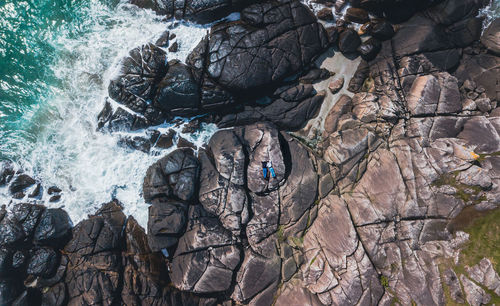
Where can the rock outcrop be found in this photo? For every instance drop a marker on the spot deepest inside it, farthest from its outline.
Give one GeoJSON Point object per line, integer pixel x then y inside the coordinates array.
{"type": "Point", "coordinates": [231, 70]}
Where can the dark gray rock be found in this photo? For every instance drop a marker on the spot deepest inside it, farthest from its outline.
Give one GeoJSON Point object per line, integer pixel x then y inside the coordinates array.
{"type": "Point", "coordinates": [202, 11]}
{"type": "Point", "coordinates": [206, 256]}
{"type": "Point", "coordinates": [136, 82]}
{"type": "Point", "coordinates": [54, 227]}
{"type": "Point", "coordinates": [349, 41]}
{"type": "Point", "coordinates": [273, 40]}
{"type": "Point", "coordinates": [491, 37]}
{"type": "Point", "coordinates": [178, 91]}
{"type": "Point", "coordinates": [290, 110]}
{"type": "Point", "coordinates": [6, 171]}
{"type": "Point", "coordinates": [42, 262]}
{"type": "Point", "coordinates": [20, 183]}
{"type": "Point", "coordinates": [166, 223]}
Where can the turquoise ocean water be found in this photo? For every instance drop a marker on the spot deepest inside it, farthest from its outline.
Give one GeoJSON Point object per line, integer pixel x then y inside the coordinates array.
{"type": "Point", "coordinates": [56, 59]}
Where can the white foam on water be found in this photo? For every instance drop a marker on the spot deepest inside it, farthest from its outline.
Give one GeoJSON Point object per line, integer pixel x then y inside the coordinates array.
{"type": "Point", "coordinates": [89, 166]}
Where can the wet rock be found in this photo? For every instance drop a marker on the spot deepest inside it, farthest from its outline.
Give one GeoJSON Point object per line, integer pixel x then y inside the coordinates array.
{"type": "Point", "coordinates": [165, 141]}
{"type": "Point", "coordinates": [349, 41]}
{"type": "Point", "coordinates": [184, 143]}
{"type": "Point", "coordinates": [20, 183]}
{"type": "Point", "coordinates": [200, 11]}
{"type": "Point", "coordinates": [5, 261]}
{"type": "Point", "coordinates": [278, 31]}
{"type": "Point", "coordinates": [54, 227]}
{"type": "Point", "coordinates": [325, 14]}
{"type": "Point", "coordinates": [11, 231]}
{"type": "Point", "coordinates": [175, 175]}
{"type": "Point", "coordinates": [136, 82]}
{"type": "Point", "coordinates": [163, 40]}
{"type": "Point", "coordinates": [369, 49]}
{"type": "Point", "coordinates": [382, 30]}
{"type": "Point", "coordinates": [491, 37]}
{"type": "Point", "coordinates": [93, 272]}
{"type": "Point", "coordinates": [178, 90]}
{"type": "Point", "coordinates": [6, 172]}
{"type": "Point", "coordinates": [333, 35]}
{"type": "Point", "coordinates": [336, 85]}
{"type": "Point", "coordinates": [18, 260]}
{"type": "Point", "coordinates": [222, 179]}
{"type": "Point", "coordinates": [43, 262]}
{"type": "Point", "coordinates": [357, 15]}
{"type": "Point", "coordinates": [315, 75]}
{"type": "Point", "coordinates": [9, 291]}
{"type": "Point", "coordinates": [290, 110]}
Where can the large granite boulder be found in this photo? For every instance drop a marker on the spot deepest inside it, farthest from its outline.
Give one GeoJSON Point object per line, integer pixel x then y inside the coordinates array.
{"type": "Point", "coordinates": [136, 83]}
{"type": "Point", "coordinates": [173, 176]}
{"type": "Point", "coordinates": [491, 37]}
{"type": "Point", "coordinates": [201, 11]}
{"type": "Point", "coordinates": [273, 40]}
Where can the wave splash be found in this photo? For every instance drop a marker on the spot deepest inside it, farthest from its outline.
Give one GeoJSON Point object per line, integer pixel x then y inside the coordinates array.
{"type": "Point", "coordinates": [66, 150]}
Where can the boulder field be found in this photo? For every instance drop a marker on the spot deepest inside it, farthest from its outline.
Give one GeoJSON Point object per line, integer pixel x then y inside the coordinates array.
{"type": "Point", "coordinates": [361, 211]}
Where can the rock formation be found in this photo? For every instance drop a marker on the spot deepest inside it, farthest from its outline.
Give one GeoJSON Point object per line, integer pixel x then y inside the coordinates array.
{"type": "Point", "coordinates": [359, 212]}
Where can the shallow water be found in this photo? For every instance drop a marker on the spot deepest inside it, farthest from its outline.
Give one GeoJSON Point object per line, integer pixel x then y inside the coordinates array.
{"type": "Point", "coordinates": [56, 62]}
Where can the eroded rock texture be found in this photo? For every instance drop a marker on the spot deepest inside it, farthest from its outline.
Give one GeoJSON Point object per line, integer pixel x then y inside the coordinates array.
{"type": "Point", "coordinates": [407, 153]}
{"type": "Point", "coordinates": [233, 244]}
{"type": "Point", "coordinates": [201, 11]}
{"type": "Point", "coordinates": [232, 70]}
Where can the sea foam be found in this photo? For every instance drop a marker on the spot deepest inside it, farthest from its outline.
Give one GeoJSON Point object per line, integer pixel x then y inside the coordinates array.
{"type": "Point", "coordinates": [90, 166]}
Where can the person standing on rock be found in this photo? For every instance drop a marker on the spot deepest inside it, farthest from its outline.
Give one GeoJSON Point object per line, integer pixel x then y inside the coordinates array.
{"type": "Point", "coordinates": [271, 170]}
{"type": "Point", "coordinates": [264, 169]}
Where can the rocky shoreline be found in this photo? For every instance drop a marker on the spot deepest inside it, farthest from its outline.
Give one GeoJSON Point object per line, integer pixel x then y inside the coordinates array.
{"type": "Point", "coordinates": [371, 170]}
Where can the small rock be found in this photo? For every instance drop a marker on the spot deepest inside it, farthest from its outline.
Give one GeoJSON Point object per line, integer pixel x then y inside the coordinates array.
{"type": "Point", "coordinates": [172, 36]}
{"type": "Point", "coordinates": [325, 14]}
{"type": "Point", "coordinates": [55, 198]}
{"type": "Point", "coordinates": [369, 49]}
{"type": "Point", "coordinates": [43, 262]}
{"type": "Point", "coordinates": [469, 105]}
{"type": "Point", "coordinates": [54, 227]}
{"type": "Point", "coordinates": [336, 85]}
{"type": "Point", "coordinates": [483, 104]}
{"type": "Point", "coordinates": [36, 192]}
{"type": "Point", "coordinates": [472, 95]}
{"type": "Point", "coordinates": [333, 34]}
{"type": "Point", "coordinates": [357, 15]}
{"type": "Point", "coordinates": [163, 40]}
{"type": "Point", "coordinates": [174, 47]}
{"type": "Point", "coordinates": [184, 143]}
{"type": "Point", "coordinates": [349, 41]}
{"type": "Point", "coordinates": [382, 30]}
{"type": "Point", "coordinates": [53, 189]}
{"type": "Point", "coordinates": [191, 126]}
{"type": "Point", "coordinates": [20, 183]}
{"type": "Point", "coordinates": [165, 141]}
{"type": "Point", "coordinates": [469, 85]}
